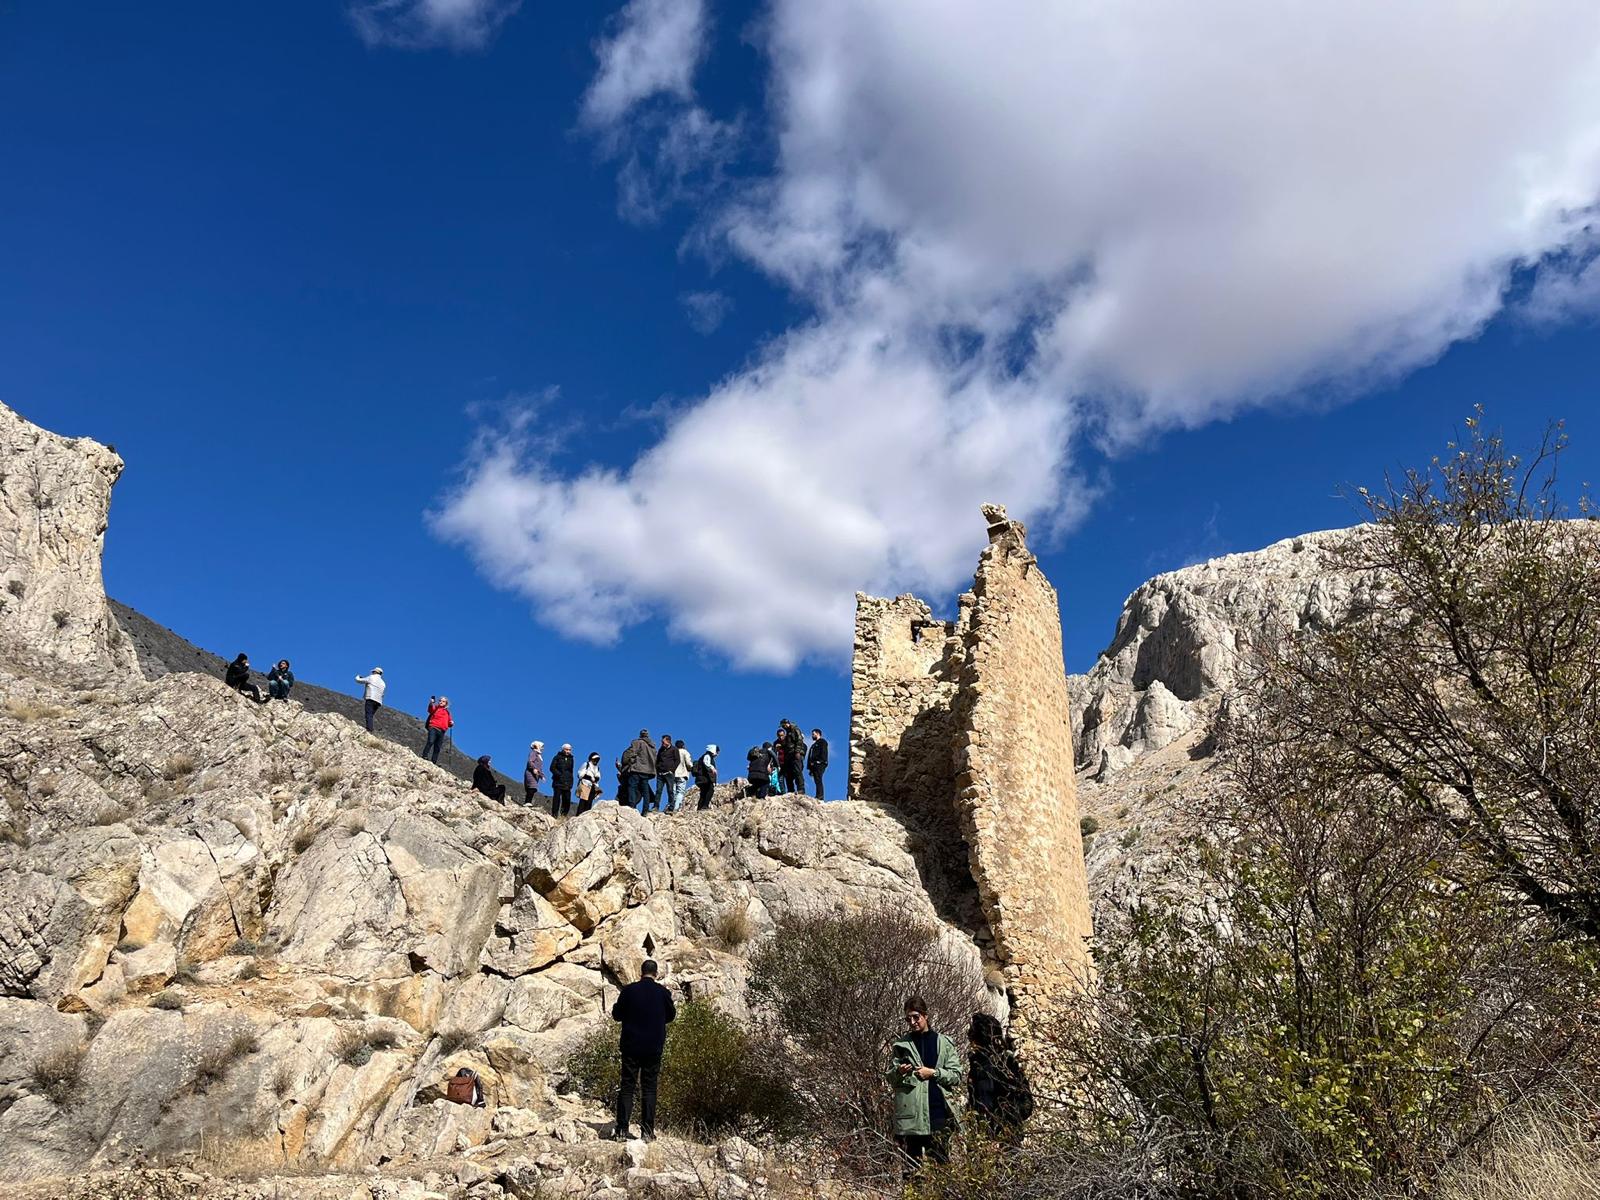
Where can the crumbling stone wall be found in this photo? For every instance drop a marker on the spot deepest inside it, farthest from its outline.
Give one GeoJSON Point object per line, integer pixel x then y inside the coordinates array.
{"type": "Point", "coordinates": [973, 718]}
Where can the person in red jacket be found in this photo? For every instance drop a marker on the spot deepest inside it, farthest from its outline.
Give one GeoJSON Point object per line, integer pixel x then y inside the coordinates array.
{"type": "Point", "coordinates": [440, 722]}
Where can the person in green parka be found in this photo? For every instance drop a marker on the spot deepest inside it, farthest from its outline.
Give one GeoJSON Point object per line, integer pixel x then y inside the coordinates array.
{"type": "Point", "coordinates": [926, 1077]}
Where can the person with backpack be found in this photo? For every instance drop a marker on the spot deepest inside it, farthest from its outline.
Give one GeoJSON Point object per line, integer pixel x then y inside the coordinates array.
{"type": "Point", "coordinates": [440, 722]}
{"type": "Point", "coordinates": [817, 759]}
{"type": "Point", "coordinates": [589, 783]}
{"type": "Point", "coordinates": [705, 774]}
{"type": "Point", "coordinates": [638, 764]}
{"type": "Point", "coordinates": [666, 764]}
{"type": "Point", "coordinates": [483, 780]}
{"type": "Point", "coordinates": [372, 694]}
{"type": "Point", "coordinates": [644, 1009]}
{"type": "Point", "coordinates": [997, 1090]}
{"type": "Point", "coordinates": [924, 1074]}
{"type": "Point", "coordinates": [794, 758]}
{"type": "Point", "coordinates": [237, 676]}
{"type": "Point", "coordinates": [533, 773]}
{"type": "Point", "coordinates": [280, 680]}
{"type": "Point", "coordinates": [561, 781]}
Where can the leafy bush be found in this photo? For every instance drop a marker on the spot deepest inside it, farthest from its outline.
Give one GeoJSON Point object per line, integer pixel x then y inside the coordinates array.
{"type": "Point", "coordinates": [716, 1076]}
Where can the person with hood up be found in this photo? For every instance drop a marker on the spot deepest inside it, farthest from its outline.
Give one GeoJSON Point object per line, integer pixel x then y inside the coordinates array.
{"type": "Point", "coordinates": [924, 1074]}
{"type": "Point", "coordinates": [533, 773]}
{"type": "Point", "coordinates": [237, 676]}
{"type": "Point", "coordinates": [280, 680]}
{"type": "Point", "coordinates": [817, 759]}
{"type": "Point", "coordinates": [638, 763]}
{"type": "Point", "coordinates": [440, 722]}
{"type": "Point", "coordinates": [681, 771]}
{"type": "Point", "coordinates": [997, 1090]}
{"type": "Point", "coordinates": [561, 781]}
{"type": "Point", "coordinates": [373, 694]}
{"type": "Point", "coordinates": [483, 780]}
{"type": "Point", "coordinates": [589, 783]}
{"type": "Point", "coordinates": [705, 774]}
{"type": "Point", "coordinates": [666, 764]}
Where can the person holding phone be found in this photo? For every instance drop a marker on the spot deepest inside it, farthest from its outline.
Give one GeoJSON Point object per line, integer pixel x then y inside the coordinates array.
{"type": "Point", "coordinates": [925, 1075]}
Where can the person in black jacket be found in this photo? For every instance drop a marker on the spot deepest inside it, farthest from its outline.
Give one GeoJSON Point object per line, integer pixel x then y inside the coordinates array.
{"type": "Point", "coordinates": [793, 757]}
{"type": "Point", "coordinates": [644, 1008]}
{"type": "Point", "coordinates": [759, 771]}
{"type": "Point", "coordinates": [561, 781]}
{"type": "Point", "coordinates": [997, 1090]}
{"type": "Point", "coordinates": [817, 759]}
{"type": "Point", "coordinates": [666, 764]}
{"type": "Point", "coordinates": [483, 779]}
{"type": "Point", "coordinates": [237, 677]}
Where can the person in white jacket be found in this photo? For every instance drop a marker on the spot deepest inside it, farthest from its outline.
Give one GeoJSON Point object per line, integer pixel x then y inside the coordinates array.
{"type": "Point", "coordinates": [588, 783]}
{"type": "Point", "coordinates": [680, 776]}
{"type": "Point", "coordinates": [374, 692]}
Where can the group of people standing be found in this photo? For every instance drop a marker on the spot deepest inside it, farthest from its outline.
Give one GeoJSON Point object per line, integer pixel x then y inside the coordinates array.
{"type": "Point", "coordinates": [779, 767]}
{"type": "Point", "coordinates": [653, 778]}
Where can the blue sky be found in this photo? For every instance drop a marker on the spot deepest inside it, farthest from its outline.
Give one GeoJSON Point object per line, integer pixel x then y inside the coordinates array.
{"type": "Point", "coordinates": [580, 361]}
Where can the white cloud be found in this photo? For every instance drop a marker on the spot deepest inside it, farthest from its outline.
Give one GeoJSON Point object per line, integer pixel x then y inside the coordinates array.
{"type": "Point", "coordinates": [420, 24]}
{"type": "Point", "coordinates": [1058, 216]}
{"type": "Point", "coordinates": [653, 50]}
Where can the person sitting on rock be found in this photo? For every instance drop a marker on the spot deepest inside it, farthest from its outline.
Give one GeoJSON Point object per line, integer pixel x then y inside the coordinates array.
{"type": "Point", "coordinates": [280, 680]}
{"type": "Point", "coordinates": [440, 722]}
{"type": "Point", "coordinates": [238, 678]}
{"type": "Point", "coordinates": [373, 687]}
{"type": "Point", "coordinates": [533, 772]}
{"type": "Point", "coordinates": [484, 781]}
{"type": "Point", "coordinates": [589, 783]}
{"type": "Point", "coordinates": [705, 774]}
{"type": "Point", "coordinates": [561, 781]}
{"type": "Point", "coordinates": [644, 1008]}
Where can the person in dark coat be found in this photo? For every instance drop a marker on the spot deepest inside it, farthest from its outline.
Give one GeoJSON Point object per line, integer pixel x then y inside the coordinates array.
{"type": "Point", "coordinates": [280, 680]}
{"type": "Point", "coordinates": [705, 774]}
{"type": "Point", "coordinates": [237, 677]}
{"type": "Point", "coordinates": [666, 766]}
{"type": "Point", "coordinates": [484, 781]}
{"type": "Point", "coordinates": [561, 768]}
{"type": "Point", "coordinates": [997, 1090]}
{"type": "Point", "coordinates": [758, 773]}
{"type": "Point", "coordinates": [639, 761]}
{"type": "Point", "coordinates": [817, 759]}
{"type": "Point", "coordinates": [794, 758]}
{"type": "Point", "coordinates": [644, 1009]}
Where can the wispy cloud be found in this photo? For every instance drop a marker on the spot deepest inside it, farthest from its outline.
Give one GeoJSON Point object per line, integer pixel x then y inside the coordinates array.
{"type": "Point", "coordinates": [424, 24]}
{"type": "Point", "coordinates": [705, 310]}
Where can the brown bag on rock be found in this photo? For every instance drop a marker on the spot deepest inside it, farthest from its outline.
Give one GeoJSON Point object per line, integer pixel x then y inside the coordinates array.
{"type": "Point", "coordinates": [458, 1089]}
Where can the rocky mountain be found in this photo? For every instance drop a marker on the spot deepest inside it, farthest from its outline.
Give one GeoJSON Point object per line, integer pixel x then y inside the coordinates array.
{"type": "Point", "coordinates": [235, 935]}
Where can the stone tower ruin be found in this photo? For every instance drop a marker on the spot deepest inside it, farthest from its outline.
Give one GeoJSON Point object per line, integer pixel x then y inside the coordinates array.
{"type": "Point", "coordinates": [965, 724]}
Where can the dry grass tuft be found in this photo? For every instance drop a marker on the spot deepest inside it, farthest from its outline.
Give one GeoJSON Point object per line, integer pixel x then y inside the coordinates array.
{"type": "Point", "coordinates": [177, 767]}
{"type": "Point", "coordinates": [59, 1075]}
{"type": "Point", "coordinates": [734, 928]}
{"type": "Point", "coordinates": [328, 778]}
{"type": "Point", "coordinates": [1548, 1155]}
{"type": "Point", "coordinates": [32, 710]}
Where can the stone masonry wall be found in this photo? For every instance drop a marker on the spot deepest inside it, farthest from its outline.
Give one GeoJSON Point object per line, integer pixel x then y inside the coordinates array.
{"type": "Point", "coordinates": [1016, 794]}
{"type": "Point", "coordinates": [972, 719]}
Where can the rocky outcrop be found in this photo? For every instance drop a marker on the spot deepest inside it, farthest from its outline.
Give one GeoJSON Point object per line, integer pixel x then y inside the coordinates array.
{"type": "Point", "coordinates": [55, 501]}
{"type": "Point", "coordinates": [1184, 637]}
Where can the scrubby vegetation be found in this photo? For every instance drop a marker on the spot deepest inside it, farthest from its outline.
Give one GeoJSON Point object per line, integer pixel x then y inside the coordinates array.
{"type": "Point", "coordinates": [59, 1075]}
{"type": "Point", "coordinates": [717, 1077]}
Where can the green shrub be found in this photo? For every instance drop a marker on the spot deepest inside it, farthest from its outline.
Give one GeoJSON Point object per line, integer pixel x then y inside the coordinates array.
{"type": "Point", "coordinates": [1088, 826]}
{"type": "Point", "coordinates": [716, 1076]}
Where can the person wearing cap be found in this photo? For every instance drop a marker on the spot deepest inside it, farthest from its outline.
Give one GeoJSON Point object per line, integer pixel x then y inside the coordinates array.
{"type": "Point", "coordinates": [375, 687]}
{"type": "Point", "coordinates": [440, 722]}
{"type": "Point", "coordinates": [589, 783]}
{"type": "Point", "coordinates": [561, 781]}
{"type": "Point", "coordinates": [533, 772]}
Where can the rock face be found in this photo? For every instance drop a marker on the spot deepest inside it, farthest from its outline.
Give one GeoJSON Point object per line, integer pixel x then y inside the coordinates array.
{"type": "Point", "coordinates": [971, 720]}
{"type": "Point", "coordinates": [55, 501]}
